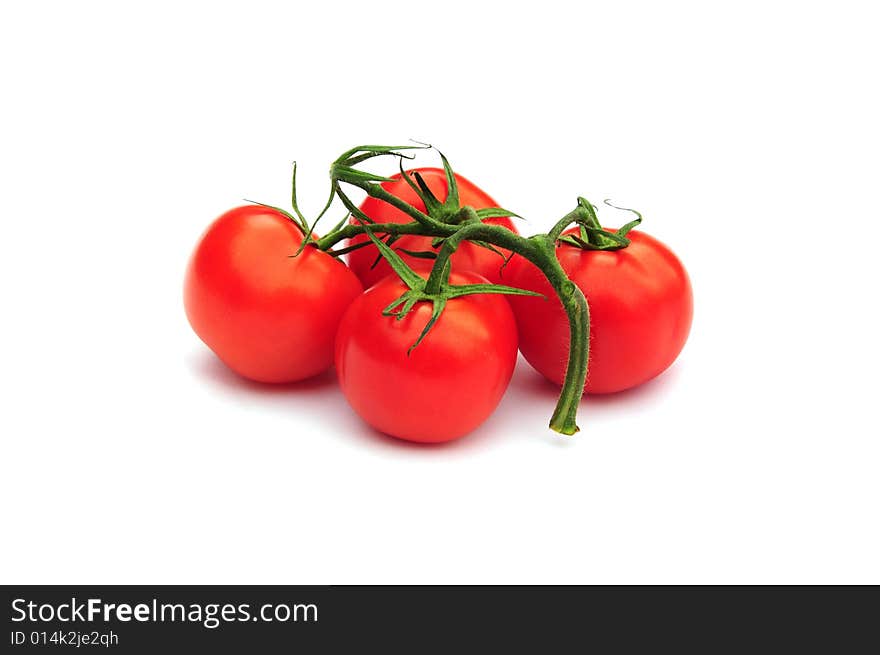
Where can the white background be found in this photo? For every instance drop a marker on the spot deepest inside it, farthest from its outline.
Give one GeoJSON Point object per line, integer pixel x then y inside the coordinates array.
{"type": "Point", "coordinates": [747, 133]}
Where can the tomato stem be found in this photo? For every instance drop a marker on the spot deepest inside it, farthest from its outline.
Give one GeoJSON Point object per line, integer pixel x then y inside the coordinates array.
{"type": "Point", "coordinates": [395, 229]}
{"type": "Point", "coordinates": [577, 309]}
{"type": "Point", "coordinates": [541, 251]}
{"type": "Point", "coordinates": [475, 230]}
{"type": "Point", "coordinates": [465, 224]}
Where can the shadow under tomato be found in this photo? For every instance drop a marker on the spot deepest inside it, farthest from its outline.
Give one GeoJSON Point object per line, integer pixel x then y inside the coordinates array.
{"type": "Point", "coordinates": [533, 383]}
{"type": "Point", "coordinates": [209, 367]}
{"type": "Point", "coordinates": [388, 441]}
{"type": "Point", "coordinates": [474, 439]}
{"type": "Point", "coordinates": [650, 390]}
{"type": "Point", "coordinates": [345, 421]}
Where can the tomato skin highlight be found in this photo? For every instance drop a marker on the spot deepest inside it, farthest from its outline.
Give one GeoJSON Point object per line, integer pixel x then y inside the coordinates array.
{"type": "Point", "coordinates": [449, 384]}
{"type": "Point", "coordinates": [641, 308]}
{"type": "Point", "coordinates": [268, 316]}
{"type": "Point", "coordinates": [468, 257]}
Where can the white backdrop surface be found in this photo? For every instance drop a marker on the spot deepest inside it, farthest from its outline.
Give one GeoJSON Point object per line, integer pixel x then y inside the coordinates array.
{"type": "Point", "coordinates": [746, 133]}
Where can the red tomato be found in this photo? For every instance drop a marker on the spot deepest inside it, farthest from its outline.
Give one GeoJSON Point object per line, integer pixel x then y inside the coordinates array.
{"type": "Point", "coordinates": [449, 384]}
{"type": "Point", "coordinates": [468, 257]}
{"type": "Point", "coordinates": [641, 307]}
{"type": "Point", "coordinates": [269, 317]}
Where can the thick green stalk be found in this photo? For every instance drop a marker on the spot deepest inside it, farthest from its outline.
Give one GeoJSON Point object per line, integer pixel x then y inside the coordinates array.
{"type": "Point", "coordinates": [564, 417]}
{"type": "Point", "coordinates": [541, 251]}
{"type": "Point", "coordinates": [557, 230]}
{"type": "Point", "coordinates": [494, 234]}
{"type": "Point", "coordinates": [347, 232]}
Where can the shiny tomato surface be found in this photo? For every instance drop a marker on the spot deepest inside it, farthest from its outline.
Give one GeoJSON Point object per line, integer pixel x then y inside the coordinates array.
{"type": "Point", "coordinates": [449, 384]}
{"type": "Point", "coordinates": [641, 306]}
{"type": "Point", "coordinates": [268, 316]}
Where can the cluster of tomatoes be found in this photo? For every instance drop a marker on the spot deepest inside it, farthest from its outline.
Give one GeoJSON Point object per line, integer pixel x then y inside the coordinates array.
{"type": "Point", "coordinates": [274, 317]}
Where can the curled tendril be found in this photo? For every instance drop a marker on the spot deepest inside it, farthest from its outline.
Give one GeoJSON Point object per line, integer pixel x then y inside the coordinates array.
{"type": "Point", "coordinates": [623, 209]}
{"type": "Point", "coordinates": [623, 231]}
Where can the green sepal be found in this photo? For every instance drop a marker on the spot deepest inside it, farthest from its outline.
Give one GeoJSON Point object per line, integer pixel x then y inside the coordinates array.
{"type": "Point", "coordinates": [599, 239]}
{"type": "Point", "coordinates": [388, 239]}
{"type": "Point", "coordinates": [452, 199]}
{"type": "Point", "coordinates": [605, 234]}
{"type": "Point", "coordinates": [350, 206]}
{"type": "Point", "coordinates": [623, 231]}
{"type": "Point", "coordinates": [353, 175]}
{"type": "Point", "coordinates": [571, 240]}
{"type": "Point", "coordinates": [430, 201]}
{"type": "Point", "coordinates": [347, 249]}
{"type": "Point", "coordinates": [293, 219]}
{"type": "Point", "coordinates": [410, 278]}
{"type": "Point", "coordinates": [592, 218]}
{"type": "Point", "coordinates": [311, 229]}
{"type": "Point", "coordinates": [408, 300]}
{"type": "Point", "coordinates": [343, 168]}
{"type": "Point", "coordinates": [437, 309]}
{"type": "Point", "coordinates": [351, 158]}
{"type": "Point", "coordinates": [456, 291]}
{"type": "Point", "coordinates": [402, 305]}
{"type": "Point", "coordinates": [302, 219]}
{"type": "Point", "coordinates": [340, 224]}
{"type": "Point", "coordinates": [592, 236]}
{"type": "Point", "coordinates": [496, 212]}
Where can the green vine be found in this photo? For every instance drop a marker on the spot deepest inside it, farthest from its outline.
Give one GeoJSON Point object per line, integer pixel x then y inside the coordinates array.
{"type": "Point", "coordinates": [449, 224]}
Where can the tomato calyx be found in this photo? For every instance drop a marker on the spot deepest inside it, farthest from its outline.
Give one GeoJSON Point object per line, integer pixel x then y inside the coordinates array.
{"type": "Point", "coordinates": [591, 235]}
{"type": "Point", "coordinates": [450, 211]}
{"type": "Point", "coordinates": [298, 218]}
{"type": "Point", "coordinates": [343, 170]}
{"type": "Point", "coordinates": [446, 214]}
{"type": "Point", "coordinates": [437, 291]}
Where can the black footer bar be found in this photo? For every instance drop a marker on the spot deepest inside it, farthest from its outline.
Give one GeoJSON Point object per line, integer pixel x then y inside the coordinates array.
{"type": "Point", "coordinates": [285, 619]}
